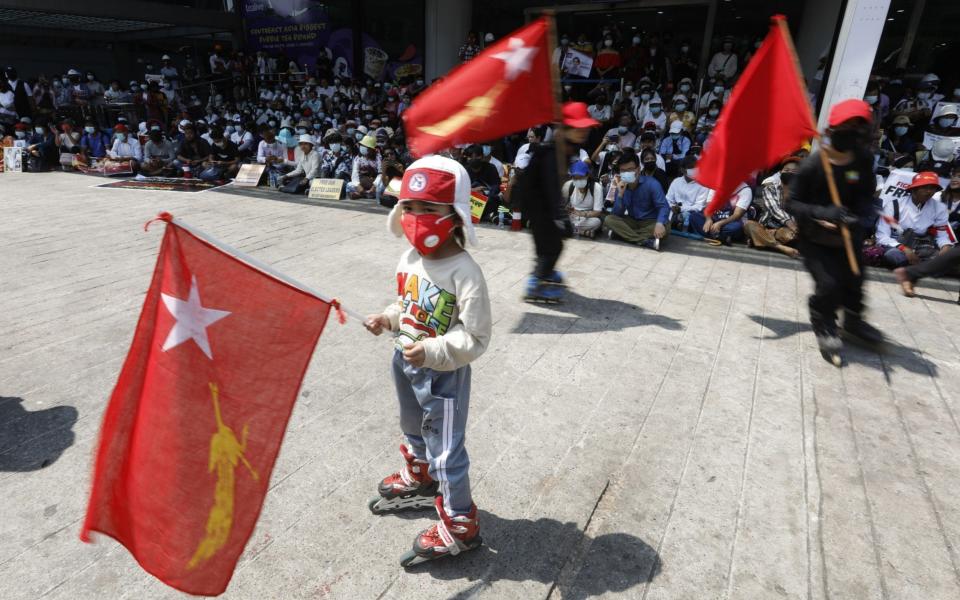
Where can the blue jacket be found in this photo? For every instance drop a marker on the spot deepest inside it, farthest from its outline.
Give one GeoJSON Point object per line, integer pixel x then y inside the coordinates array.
{"type": "Point", "coordinates": [95, 144]}
{"type": "Point", "coordinates": [647, 201]}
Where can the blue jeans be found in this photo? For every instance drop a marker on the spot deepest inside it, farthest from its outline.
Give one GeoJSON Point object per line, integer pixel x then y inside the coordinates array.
{"type": "Point", "coordinates": [732, 230]}
{"type": "Point", "coordinates": [433, 417]}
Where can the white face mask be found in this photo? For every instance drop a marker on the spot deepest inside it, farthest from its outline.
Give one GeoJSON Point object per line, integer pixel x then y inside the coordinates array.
{"type": "Point", "coordinates": [923, 95]}
{"type": "Point", "coordinates": [21, 134]}
{"type": "Point", "coordinates": [718, 89]}
{"type": "Point", "coordinates": [612, 147]}
{"type": "Point", "coordinates": [636, 40]}
{"type": "Point", "coordinates": [655, 110]}
{"type": "Point", "coordinates": [627, 89]}
{"type": "Point", "coordinates": [691, 173]}
{"type": "Point", "coordinates": [335, 148]}
{"type": "Point", "coordinates": [608, 43]}
{"type": "Point", "coordinates": [364, 150]}
{"type": "Point", "coordinates": [628, 177]}
{"type": "Point", "coordinates": [870, 99]}
{"type": "Point", "coordinates": [681, 107]}
{"type": "Point", "coordinates": [644, 97]}
{"type": "Point", "coordinates": [579, 183]}
{"type": "Point", "coordinates": [713, 112]}
{"type": "Point", "coordinates": [684, 88]}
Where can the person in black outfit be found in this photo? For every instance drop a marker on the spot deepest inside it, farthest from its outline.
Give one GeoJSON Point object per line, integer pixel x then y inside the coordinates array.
{"type": "Point", "coordinates": [819, 221]}
{"type": "Point", "coordinates": [483, 177]}
{"type": "Point", "coordinates": [537, 193]}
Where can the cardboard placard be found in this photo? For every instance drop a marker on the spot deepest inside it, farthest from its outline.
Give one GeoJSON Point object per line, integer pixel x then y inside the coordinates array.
{"type": "Point", "coordinates": [478, 202]}
{"type": "Point", "coordinates": [249, 175]}
{"type": "Point", "coordinates": [12, 160]}
{"type": "Point", "coordinates": [326, 189]}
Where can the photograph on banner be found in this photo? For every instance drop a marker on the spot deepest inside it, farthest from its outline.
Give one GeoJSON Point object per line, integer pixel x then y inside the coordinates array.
{"type": "Point", "coordinates": [929, 139]}
{"type": "Point", "coordinates": [249, 175]}
{"type": "Point", "coordinates": [12, 160]}
{"type": "Point", "coordinates": [577, 63]}
{"type": "Point", "coordinates": [326, 189]}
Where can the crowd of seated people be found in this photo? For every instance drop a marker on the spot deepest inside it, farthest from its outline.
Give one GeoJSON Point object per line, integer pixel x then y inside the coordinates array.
{"type": "Point", "coordinates": [635, 179]}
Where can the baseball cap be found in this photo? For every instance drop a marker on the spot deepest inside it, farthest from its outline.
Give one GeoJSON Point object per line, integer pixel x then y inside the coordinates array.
{"type": "Point", "coordinates": [924, 178]}
{"type": "Point", "coordinates": [579, 169]}
{"type": "Point", "coordinates": [575, 114]}
{"type": "Point", "coordinates": [850, 109]}
{"type": "Point", "coordinates": [676, 127]}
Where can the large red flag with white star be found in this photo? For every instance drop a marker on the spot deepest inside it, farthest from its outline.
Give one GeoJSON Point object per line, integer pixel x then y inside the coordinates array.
{"type": "Point", "coordinates": [505, 88]}
{"type": "Point", "coordinates": [195, 422]}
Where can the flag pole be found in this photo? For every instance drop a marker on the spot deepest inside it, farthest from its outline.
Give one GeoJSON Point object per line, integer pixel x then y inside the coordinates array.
{"type": "Point", "coordinates": [824, 160]}
{"type": "Point", "coordinates": [561, 142]}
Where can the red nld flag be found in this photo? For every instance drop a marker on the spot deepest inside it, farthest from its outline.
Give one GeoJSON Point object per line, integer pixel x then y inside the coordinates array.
{"type": "Point", "coordinates": [195, 422]}
{"type": "Point", "coordinates": [767, 117]}
{"type": "Point", "coordinates": [505, 88]}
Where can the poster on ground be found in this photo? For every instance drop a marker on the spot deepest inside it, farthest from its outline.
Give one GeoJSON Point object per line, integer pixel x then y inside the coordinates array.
{"type": "Point", "coordinates": [12, 160]}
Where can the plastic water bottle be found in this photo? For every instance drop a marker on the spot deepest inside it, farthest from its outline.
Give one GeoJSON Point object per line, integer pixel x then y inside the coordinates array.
{"type": "Point", "coordinates": [686, 221]}
{"type": "Point", "coordinates": [500, 222]}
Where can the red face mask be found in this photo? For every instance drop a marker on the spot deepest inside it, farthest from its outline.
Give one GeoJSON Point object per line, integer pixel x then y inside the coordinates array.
{"type": "Point", "coordinates": [427, 231]}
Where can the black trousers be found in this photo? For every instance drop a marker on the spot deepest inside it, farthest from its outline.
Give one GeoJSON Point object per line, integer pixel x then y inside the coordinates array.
{"type": "Point", "coordinates": [548, 243]}
{"type": "Point", "coordinates": [836, 285]}
{"type": "Point", "coordinates": [938, 265]}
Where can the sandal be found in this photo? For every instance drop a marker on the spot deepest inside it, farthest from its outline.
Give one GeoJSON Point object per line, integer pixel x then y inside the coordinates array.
{"type": "Point", "coordinates": [906, 284]}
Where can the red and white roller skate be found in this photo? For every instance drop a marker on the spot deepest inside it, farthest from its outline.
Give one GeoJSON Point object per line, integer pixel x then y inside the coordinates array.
{"type": "Point", "coordinates": [410, 488]}
{"type": "Point", "coordinates": [448, 537]}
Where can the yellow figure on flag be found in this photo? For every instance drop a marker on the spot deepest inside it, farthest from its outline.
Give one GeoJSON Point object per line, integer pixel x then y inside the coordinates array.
{"type": "Point", "coordinates": [480, 107]}
{"type": "Point", "coordinates": [225, 453]}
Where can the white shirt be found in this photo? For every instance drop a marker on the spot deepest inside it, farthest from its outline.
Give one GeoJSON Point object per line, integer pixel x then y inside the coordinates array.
{"type": "Point", "coordinates": [600, 112]}
{"type": "Point", "coordinates": [933, 215]}
{"type": "Point", "coordinates": [583, 199]}
{"type": "Point", "coordinates": [444, 305]}
{"type": "Point", "coordinates": [308, 166]}
{"type": "Point", "coordinates": [244, 140]}
{"type": "Point", "coordinates": [688, 195]}
{"type": "Point", "coordinates": [125, 148]}
{"type": "Point", "coordinates": [741, 198]}
{"type": "Point", "coordinates": [522, 160]}
{"type": "Point", "coordinates": [26, 86]}
{"type": "Point", "coordinates": [723, 64]}
{"type": "Point", "coordinates": [265, 150]}
{"type": "Point", "coordinates": [498, 165]}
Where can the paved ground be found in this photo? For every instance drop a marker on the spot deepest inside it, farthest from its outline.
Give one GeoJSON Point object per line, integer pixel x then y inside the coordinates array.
{"type": "Point", "coordinates": [671, 432]}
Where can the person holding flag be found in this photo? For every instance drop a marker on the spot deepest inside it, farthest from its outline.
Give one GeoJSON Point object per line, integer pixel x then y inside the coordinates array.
{"type": "Point", "coordinates": [831, 195]}
{"type": "Point", "coordinates": [838, 284]}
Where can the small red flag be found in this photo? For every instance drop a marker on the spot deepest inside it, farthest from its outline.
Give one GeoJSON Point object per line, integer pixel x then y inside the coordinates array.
{"type": "Point", "coordinates": [195, 421]}
{"type": "Point", "coordinates": [505, 88]}
{"type": "Point", "coordinates": [767, 117]}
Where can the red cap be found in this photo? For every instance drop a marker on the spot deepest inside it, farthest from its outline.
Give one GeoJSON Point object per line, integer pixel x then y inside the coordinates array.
{"type": "Point", "coordinates": [429, 185]}
{"type": "Point", "coordinates": [925, 178]}
{"type": "Point", "coordinates": [850, 109]}
{"type": "Point", "coordinates": [120, 128]}
{"type": "Point", "coordinates": [21, 127]}
{"type": "Point", "coordinates": [575, 114]}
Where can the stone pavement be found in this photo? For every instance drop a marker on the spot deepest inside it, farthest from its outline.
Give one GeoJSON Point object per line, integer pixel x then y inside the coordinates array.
{"type": "Point", "coordinates": [670, 432]}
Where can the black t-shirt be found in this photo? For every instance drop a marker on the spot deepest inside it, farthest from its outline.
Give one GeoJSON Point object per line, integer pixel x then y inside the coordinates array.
{"type": "Point", "coordinates": [227, 153]}
{"type": "Point", "coordinates": [194, 150]}
{"type": "Point", "coordinates": [856, 185]}
{"type": "Point", "coordinates": [486, 177]}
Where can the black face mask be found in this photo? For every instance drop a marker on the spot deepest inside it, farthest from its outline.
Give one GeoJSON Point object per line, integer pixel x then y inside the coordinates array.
{"type": "Point", "coordinates": [475, 164]}
{"type": "Point", "coordinates": [845, 140]}
{"type": "Point", "coordinates": [650, 166]}
{"type": "Point", "coordinates": [786, 178]}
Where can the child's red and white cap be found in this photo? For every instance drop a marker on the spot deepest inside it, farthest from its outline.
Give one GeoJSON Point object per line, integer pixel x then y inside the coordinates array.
{"type": "Point", "coordinates": [438, 180]}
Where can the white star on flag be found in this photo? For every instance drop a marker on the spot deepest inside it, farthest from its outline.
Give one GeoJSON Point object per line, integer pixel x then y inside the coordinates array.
{"type": "Point", "coordinates": [192, 320]}
{"type": "Point", "coordinates": [518, 58]}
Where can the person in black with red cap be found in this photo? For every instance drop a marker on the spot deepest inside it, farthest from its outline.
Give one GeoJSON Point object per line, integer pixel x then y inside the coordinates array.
{"type": "Point", "coordinates": [537, 192]}
{"type": "Point", "coordinates": [847, 148]}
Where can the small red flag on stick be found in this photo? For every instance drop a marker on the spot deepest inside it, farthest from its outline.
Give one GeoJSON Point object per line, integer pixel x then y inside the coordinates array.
{"type": "Point", "coordinates": [767, 117]}
{"type": "Point", "coordinates": [505, 88]}
{"type": "Point", "coordinates": [195, 422]}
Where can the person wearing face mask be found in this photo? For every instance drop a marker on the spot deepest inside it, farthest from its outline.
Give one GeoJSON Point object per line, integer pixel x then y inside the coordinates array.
{"type": "Point", "coordinates": [686, 196]}
{"type": "Point", "coordinates": [944, 121]}
{"type": "Point", "coordinates": [244, 139]}
{"type": "Point", "coordinates": [192, 152]}
{"type": "Point", "coordinates": [483, 177]}
{"type": "Point", "coordinates": [583, 45]}
{"type": "Point", "coordinates": [684, 65]}
{"type": "Point", "coordinates": [775, 229]}
{"type": "Point", "coordinates": [724, 63]}
{"type": "Point", "coordinates": [125, 149]}
{"type": "Point", "coordinates": [685, 88]}
{"type": "Point", "coordinates": [40, 151]}
{"type": "Point", "coordinates": [923, 229]}
{"type": "Point", "coordinates": [655, 115]}
{"type": "Point", "coordinates": [298, 180]}
{"type": "Point", "coordinates": [364, 169]}
{"type": "Point", "coordinates": [674, 147]}
{"type": "Point", "coordinates": [896, 140]}
{"type": "Point", "coordinates": [601, 110]}
{"type": "Point", "coordinates": [68, 139]}
{"type": "Point", "coordinates": [648, 141]}
{"type": "Point", "coordinates": [158, 155]}
{"type": "Point", "coordinates": [536, 194]}
{"type": "Point", "coordinates": [93, 143]}
{"type": "Point", "coordinates": [635, 58]}
{"type": "Point", "coordinates": [169, 71]}
{"type": "Point", "coordinates": [681, 113]}
{"type": "Point", "coordinates": [878, 101]}
{"type": "Point", "coordinates": [337, 162]}
{"type": "Point", "coordinates": [223, 162]}
{"type": "Point", "coordinates": [271, 152]}
{"type": "Point", "coordinates": [8, 107]}
{"type": "Point", "coordinates": [640, 212]}
{"type": "Point", "coordinates": [96, 89]}
{"type": "Point", "coordinates": [716, 92]}
{"type": "Point", "coordinates": [707, 121]}
{"type": "Point", "coordinates": [608, 61]}
{"type": "Point", "coordinates": [584, 196]}
{"type": "Point", "coordinates": [79, 92]}
{"type": "Point", "coordinates": [818, 221]}
{"type": "Point", "coordinates": [625, 137]}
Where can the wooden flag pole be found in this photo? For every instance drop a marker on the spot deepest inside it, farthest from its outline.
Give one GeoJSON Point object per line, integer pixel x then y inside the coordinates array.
{"type": "Point", "coordinates": [824, 160]}
{"type": "Point", "coordinates": [561, 141]}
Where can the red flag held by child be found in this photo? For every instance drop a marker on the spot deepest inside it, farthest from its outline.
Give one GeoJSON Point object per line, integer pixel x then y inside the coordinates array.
{"type": "Point", "coordinates": [505, 88]}
{"type": "Point", "coordinates": [195, 421]}
{"type": "Point", "coordinates": [767, 117]}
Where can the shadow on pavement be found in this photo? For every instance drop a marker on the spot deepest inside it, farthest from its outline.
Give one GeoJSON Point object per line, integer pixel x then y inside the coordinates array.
{"type": "Point", "coordinates": [32, 440]}
{"type": "Point", "coordinates": [591, 315]}
{"type": "Point", "coordinates": [537, 550]}
{"type": "Point", "coordinates": [893, 355]}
